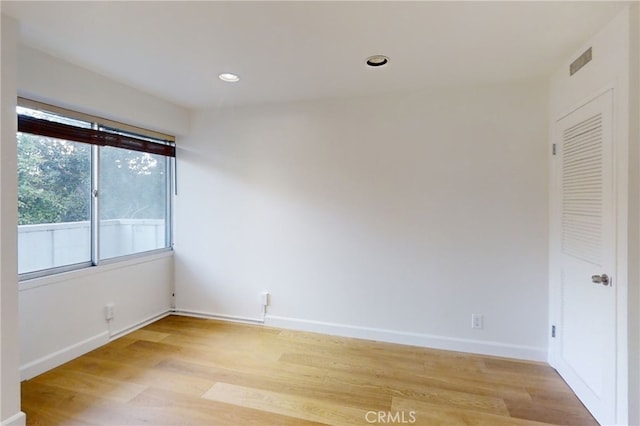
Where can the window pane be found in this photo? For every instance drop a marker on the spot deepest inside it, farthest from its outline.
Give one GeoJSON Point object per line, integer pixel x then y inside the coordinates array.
{"type": "Point", "coordinates": [54, 203]}
{"type": "Point", "coordinates": [133, 195]}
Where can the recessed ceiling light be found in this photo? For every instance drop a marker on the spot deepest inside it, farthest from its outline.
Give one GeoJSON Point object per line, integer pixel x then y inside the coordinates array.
{"type": "Point", "coordinates": [377, 60]}
{"type": "Point", "coordinates": [228, 77]}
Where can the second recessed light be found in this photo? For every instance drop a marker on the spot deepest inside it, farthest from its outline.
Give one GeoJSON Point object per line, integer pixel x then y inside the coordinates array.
{"type": "Point", "coordinates": [377, 60]}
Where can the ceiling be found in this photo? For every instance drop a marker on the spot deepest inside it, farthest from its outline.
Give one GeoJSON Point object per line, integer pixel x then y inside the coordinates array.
{"type": "Point", "coordinates": [286, 51]}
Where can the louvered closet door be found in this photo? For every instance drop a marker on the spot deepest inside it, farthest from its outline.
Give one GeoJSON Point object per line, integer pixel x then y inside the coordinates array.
{"type": "Point", "coordinates": [587, 330]}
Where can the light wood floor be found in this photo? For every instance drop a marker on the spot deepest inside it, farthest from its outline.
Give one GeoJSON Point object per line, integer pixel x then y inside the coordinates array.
{"type": "Point", "coordinates": [188, 371]}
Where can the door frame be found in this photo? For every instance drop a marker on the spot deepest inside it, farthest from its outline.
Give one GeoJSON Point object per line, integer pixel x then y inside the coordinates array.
{"type": "Point", "coordinates": [620, 160]}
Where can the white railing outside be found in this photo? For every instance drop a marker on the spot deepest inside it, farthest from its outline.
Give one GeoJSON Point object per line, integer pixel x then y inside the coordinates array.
{"type": "Point", "coordinates": [50, 245]}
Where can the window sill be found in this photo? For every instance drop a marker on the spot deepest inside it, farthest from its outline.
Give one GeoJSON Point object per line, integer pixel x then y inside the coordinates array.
{"type": "Point", "coordinates": [92, 270]}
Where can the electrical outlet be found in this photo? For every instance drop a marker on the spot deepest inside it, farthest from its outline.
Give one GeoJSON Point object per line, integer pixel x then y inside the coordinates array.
{"type": "Point", "coordinates": [108, 312]}
{"type": "Point", "coordinates": [477, 321]}
{"type": "Point", "coordinates": [265, 298]}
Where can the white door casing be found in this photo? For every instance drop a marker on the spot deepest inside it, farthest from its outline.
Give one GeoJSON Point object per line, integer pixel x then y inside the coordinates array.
{"type": "Point", "coordinates": [584, 348]}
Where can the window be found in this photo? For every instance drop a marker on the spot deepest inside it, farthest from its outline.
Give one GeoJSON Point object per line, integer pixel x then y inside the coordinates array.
{"type": "Point", "coordinates": [54, 203]}
{"type": "Point", "coordinates": [89, 190]}
{"type": "Point", "coordinates": [133, 207]}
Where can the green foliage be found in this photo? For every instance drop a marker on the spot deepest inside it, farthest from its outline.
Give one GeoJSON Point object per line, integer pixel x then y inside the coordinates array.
{"type": "Point", "coordinates": [54, 182]}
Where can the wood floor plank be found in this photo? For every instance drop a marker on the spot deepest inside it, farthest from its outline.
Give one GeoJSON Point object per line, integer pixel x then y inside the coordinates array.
{"type": "Point", "coordinates": [149, 335]}
{"type": "Point", "coordinates": [202, 411]}
{"type": "Point", "coordinates": [436, 414]}
{"type": "Point", "coordinates": [87, 384]}
{"type": "Point", "coordinates": [533, 376]}
{"type": "Point", "coordinates": [304, 381]}
{"type": "Point", "coordinates": [559, 396]}
{"type": "Point", "coordinates": [286, 404]}
{"type": "Point", "coordinates": [156, 377]}
{"type": "Point", "coordinates": [50, 405]}
{"type": "Point", "coordinates": [403, 383]}
{"type": "Point", "coordinates": [140, 353]}
{"type": "Point", "coordinates": [461, 400]}
{"type": "Point", "coordinates": [533, 368]}
{"type": "Point", "coordinates": [234, 347]}
{"type": "Point", "coordinates": [454, 365]}
{"type": "Point", "coordinates": [192, 371]}
{"type": "Point", "coordinates": [550, 413]}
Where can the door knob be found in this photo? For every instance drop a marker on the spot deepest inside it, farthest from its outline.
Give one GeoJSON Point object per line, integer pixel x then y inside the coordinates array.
{"type": "Point", "coordinates": [600, 279]}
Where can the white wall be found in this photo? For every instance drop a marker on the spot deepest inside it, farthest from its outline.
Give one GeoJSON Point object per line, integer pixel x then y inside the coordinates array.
{"type": "Point", "coordinates": [609, 67]}
{"type": "Point", "coordinates": [10, 414]}
{"type": "Point", "coordinates": [44, 78]}
{"type": "Point", "coordinates": [63, 316]}
{"type": "Point", "coordinates": [392, 218]}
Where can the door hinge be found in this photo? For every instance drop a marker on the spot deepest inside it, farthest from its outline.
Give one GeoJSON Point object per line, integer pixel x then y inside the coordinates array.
{"type": "Point", "coordinates": [553, 331]}
{"type": "Point", "coordinates": [553, 149]}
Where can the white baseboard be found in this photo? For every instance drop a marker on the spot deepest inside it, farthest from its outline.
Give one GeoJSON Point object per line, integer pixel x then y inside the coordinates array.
{"type": "Point", "coordinates": [143, 323]}
{"type": "Point", "coordinates": [19, 419]}
{"type": "Point", "coordinates": [57, 358]}
{"type": "Point", "coordinates": [48, 362]}
{"type": "Point", "coordinates": [413, 339]}
{"type": "Point", "coordinates": [206, 315]}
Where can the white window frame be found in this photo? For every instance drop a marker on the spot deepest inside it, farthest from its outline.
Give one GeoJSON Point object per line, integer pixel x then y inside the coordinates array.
{"type": "Point", "coordinates": [170, 164]}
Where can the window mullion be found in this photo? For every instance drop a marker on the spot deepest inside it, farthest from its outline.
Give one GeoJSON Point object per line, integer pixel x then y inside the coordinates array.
{"type": "Point", "coordinates": [95, 203]}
